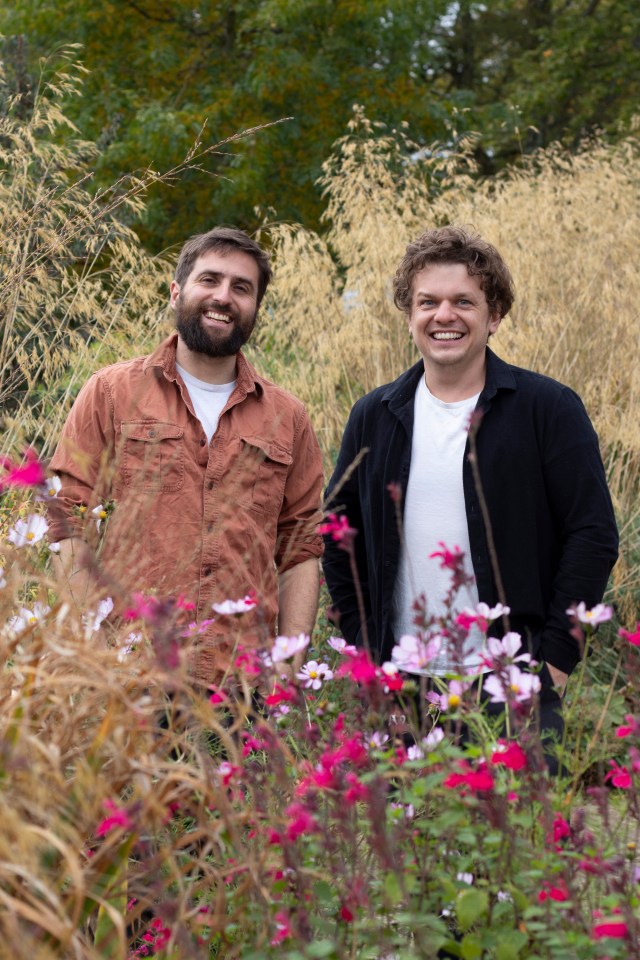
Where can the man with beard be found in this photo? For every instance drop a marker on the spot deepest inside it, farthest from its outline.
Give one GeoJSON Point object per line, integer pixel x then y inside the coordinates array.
{"type": "Point", "coordinates": [214, 473]}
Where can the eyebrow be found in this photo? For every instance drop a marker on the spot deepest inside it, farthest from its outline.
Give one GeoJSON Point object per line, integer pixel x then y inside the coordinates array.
{"type": "Point", "coordinates": [468, 294]}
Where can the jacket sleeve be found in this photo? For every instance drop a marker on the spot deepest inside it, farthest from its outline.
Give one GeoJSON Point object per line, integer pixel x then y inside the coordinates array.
{"type": "Point", "coordinates": [81, 459]}
{"type": "Point", "coordinates": [584, 515]}
{"type": "Point", "coordinates": [343, 498]}
{"type": "Point", "coordinates": [298, 537]}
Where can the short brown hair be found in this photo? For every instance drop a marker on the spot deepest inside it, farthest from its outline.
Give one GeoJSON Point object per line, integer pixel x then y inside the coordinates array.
{"type": "Point", "coordinates": [456, 245]}
{"type": "Point", "coordinates": [225, 239]}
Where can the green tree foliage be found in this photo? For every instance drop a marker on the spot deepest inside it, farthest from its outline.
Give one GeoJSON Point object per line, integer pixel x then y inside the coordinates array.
{"type": "Point", "coordinates": [522, 72]}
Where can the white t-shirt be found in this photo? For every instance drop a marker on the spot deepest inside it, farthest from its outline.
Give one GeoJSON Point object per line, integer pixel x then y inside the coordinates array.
{"type": "Point", "coordinates": [208, 399]}
{"type": "Point", "coordinates": [434, 512]}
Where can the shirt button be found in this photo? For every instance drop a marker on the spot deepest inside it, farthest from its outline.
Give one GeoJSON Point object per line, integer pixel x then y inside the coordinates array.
{"type": "Point", "coordinates": [210, 485]}
{"type": "Point", "coordinates": [152, 433]}
{"type": "Point", "coordinates": [202, 443]}
{"type": "Point", "coordinates": [206, 572]}
{"type": "Point", "coordinates": [209, 527]}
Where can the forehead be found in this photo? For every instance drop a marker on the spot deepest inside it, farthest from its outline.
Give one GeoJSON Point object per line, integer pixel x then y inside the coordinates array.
{"type": "Point", "coordinates": [446, 279]}
{"type": "Point", "coordinates": [235, 264]}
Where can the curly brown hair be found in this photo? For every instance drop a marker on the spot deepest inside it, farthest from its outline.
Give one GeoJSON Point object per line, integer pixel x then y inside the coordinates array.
{"type": "Point", "coordinates": [225, 239]}
{"type": "Point", "coordinates": [452, 244]}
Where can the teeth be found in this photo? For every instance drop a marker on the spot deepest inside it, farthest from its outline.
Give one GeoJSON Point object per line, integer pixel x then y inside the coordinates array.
{"type": "Point", "coordinates": [211, 315]}
{"type": "Point", "coordinates": [447, 336]}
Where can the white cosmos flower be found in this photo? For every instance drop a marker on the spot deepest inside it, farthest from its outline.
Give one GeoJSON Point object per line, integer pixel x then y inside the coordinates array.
{"type": "Point", "coordinates": [100, 514]}
{"type": "Point", "coordinates": [507, 646]}
{"type": "Point", "coordinates": [285, 647]}
{"type": "Point", "coordinates": [228, 607]}
{"type": "Point", "coordinates": [29, 531]}
{"type": "Point", "coordinates": [129, 646]}
{"type": "Point", "coordinates": [49, 489]}
{"type": "Point", "coordinates": [93, 618]}
{"type": "Point", "coordinates": [341, 646]}
{"type": "Point", "coordinates": [313, 674]}
{"type": "Point", "coordinates": [598, 614]}
{"type": "Point", "coordinates": [27, 618]}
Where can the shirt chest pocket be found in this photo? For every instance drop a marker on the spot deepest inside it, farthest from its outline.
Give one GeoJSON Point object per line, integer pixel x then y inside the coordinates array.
{"type": "Point", "coordinates": [153, 455]}
{"type": "Point", "coordinates": [262, 474]}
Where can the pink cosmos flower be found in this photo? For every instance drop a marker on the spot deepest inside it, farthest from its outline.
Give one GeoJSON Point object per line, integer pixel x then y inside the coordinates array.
{"type": "Point", "coordinates": [598, 614]}
{"type": "Point", "coordinates": [413, 654]}
{"type": "Point", "coordinates": [632, 636]}
{"type": "Point", "coordinates": [231, 607]}
{"type": "Point", "coordinates": [28, 532]}
{"type": "Point", "coordinates": [510, 755]}
{"type": "Point", "coordinates": [341, 646]}
{"type": "Point", "coordinates": [314, 674]}
{"type": "Point", "coordinates": [505, 648]}
{"type": "Point", "coordinates": [517, 686]}
{"type": "Point", "coordinates": [482, 615]}
{"type": "Point", "coordinates": [30, 473]}
{"type": "Point", "coordinates": [285, 647]}
{"type": "Point", "coordinates": [118, 818]}
{"type": "Point", "coordinates": [452, 699]}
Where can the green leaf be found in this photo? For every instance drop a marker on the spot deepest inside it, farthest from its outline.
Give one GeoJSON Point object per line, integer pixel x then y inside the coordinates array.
{"type": "Point", "coordinates": [510, 944]}
{"type": "Point", "coordinates": [470, 905]}
{"type": "Point", "coordinates": [392, 888]}
{"type": "Point", "coordinates": [470, 948]}
{"type": "Point", "coordinates": [321, 948]}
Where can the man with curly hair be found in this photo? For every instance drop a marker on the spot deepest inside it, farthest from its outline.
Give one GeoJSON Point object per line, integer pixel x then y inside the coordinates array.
{"type": "Point", "coordinates": [475, 457]}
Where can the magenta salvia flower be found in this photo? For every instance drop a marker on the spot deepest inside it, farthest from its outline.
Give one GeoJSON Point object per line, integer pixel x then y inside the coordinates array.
{"type": "Point", "coordinates": [30, 473]}
{"type": "Point", "coordinates": [633, 636]}
{"type": "Point", "coordinates": [118, 818]}
{"type": "Point", "coordinates": [337, 527]}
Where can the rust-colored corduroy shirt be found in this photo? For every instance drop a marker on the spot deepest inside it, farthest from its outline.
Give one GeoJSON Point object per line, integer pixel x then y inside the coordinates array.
{"type": "Point", "coordinates": [208, 521]}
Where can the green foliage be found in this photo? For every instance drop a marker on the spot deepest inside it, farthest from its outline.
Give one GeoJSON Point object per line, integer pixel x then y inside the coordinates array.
{"type": "Point", "coordinates": [522, 72]}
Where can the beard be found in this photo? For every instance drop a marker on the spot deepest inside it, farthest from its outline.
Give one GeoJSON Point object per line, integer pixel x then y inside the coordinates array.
{"type": "Point", "coordinates": [214, 342]}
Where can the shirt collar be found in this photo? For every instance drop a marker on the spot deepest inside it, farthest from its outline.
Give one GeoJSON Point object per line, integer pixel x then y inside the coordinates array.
{"type": "Point", "coordinates": [163, 357]}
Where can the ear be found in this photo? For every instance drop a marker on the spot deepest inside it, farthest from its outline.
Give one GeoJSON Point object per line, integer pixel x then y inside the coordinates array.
{"type": "Point", "coordinates": [175, 293]}
{"type": "Point", "coordinates": [494, 322]}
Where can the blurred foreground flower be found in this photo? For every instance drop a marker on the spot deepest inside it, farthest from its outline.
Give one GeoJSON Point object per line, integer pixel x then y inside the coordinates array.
{"type": "Point", "coordinates": [118, 818]}
{"type": "Point", "coordinates": [337, 527]}
{"type": "Point", "coordinates": [482, 615]}
{"type": "Point", "coordinates": [49, 489]}
{"type": "Point", "coordinates": [341, 646]}
{"type": "Point", "coordinates": [285, 647]}
{"type": "Point", "coordinates": [30, 473]}
{"type": "Point", "coordinates": [598, 614]}
{"type": "Point", "coordinates": [412, 653]}
{"type": "Point", "coordinates": [633, 636]}
{"type": "Point", "coordinates": [29, 531]}
{"type": "Point", "coordinates": [230, 607]}
{"type": "Point", "coordinates": [515, 686]}
{"type": "Point", "coordinates": [92, 619]}
{"type": "Point", "coordinates": [27, 618]}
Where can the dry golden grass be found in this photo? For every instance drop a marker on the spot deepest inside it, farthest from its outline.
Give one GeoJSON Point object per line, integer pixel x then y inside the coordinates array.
{"type": "Point", "coordinates": [567, 227]}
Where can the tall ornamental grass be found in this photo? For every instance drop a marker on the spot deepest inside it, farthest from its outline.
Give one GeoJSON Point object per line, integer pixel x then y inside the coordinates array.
{"type": "Point", "coordinates": [309, 811]}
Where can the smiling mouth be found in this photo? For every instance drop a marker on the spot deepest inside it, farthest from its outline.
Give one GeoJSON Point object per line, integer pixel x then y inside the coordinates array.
{"type": "Point", "coordinates": [447, 335]}
{"type": "Point", "coordinates": [221, 317]}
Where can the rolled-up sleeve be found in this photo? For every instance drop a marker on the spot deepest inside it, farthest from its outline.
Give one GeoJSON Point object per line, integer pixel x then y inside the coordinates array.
{"type": "Point", "coordinates": [298, 537]}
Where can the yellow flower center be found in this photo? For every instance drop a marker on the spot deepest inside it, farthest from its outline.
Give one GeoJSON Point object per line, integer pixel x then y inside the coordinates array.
{"type": "Point", "coordinates": [454, 701]}
{"type": "Point", "coordinates": [103, 514]}
{"type": "Point", "coordinates": [313, 674]}
{"type": "Point", "coordinates": [514, 688]}
{"type": "Point", "coordinates": [52, 491]}
{"type": "Point", "coordinates": [82, 509]}
{"type": "Point", "coordinates": [33, 619]}
{"type": "Point", "coordinates": [30, 535]}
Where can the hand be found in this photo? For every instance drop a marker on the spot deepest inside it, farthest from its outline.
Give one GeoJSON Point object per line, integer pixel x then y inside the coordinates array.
{"type": "Point", "coordinates": [558, 677]}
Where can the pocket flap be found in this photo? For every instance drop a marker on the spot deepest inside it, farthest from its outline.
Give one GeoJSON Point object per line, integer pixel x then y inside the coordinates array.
{"type": "Point", "coordinates": [270, 449]}
{"type": "Point", "coordinates": [150, 431]}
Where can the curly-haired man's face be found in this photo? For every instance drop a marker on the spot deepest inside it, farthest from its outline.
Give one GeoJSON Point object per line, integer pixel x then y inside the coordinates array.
{"type": "Point", "coordinates": [450, 321]}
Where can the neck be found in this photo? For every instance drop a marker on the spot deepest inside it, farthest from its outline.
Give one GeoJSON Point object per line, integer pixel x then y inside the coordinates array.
{"type": "Point", "coordinates": [449, 386]}
{"type": "Point", "coordinates": [202, 367]}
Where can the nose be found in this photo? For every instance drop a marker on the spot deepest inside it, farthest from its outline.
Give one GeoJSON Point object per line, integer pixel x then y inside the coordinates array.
{"type": "Point", "coordinates": [445, 312]}
{"type": "Point", "coordinates": [222, 292]}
